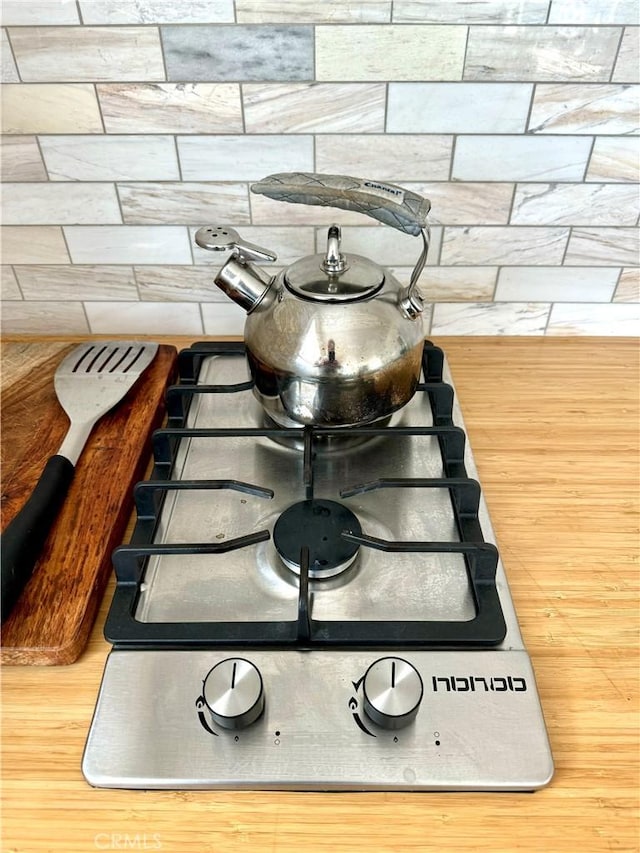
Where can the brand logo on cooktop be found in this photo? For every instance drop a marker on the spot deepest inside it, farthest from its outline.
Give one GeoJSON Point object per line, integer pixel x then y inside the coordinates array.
{"type": "Point", "coordinates": [478, 684]}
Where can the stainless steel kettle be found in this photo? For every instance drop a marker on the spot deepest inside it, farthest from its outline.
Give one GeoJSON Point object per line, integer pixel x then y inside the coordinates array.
{"type": "Point", "coordinates": [334, 339]}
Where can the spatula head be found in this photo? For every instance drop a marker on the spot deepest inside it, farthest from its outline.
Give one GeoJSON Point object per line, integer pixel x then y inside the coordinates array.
{"type": "Point", "coordinates": [95, 376]}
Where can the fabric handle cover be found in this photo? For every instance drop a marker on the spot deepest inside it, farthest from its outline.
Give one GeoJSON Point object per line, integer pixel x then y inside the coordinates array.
{"type": "Point", "coordinates": [402, 209]}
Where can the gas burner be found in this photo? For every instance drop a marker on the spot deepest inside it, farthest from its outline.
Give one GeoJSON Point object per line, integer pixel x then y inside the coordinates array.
{"type": "Point", "coordinates": [318, 525]}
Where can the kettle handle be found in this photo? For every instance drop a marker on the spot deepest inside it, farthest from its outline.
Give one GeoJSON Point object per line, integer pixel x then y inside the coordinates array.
{"type": "Point", "coordinates": [402, 209]}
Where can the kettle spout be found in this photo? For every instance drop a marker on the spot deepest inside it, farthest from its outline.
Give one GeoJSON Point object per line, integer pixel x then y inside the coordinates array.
{"type": "Point", "coordinates": [246, 284]}
{"type": "Point", "coordinates": [241, 281]}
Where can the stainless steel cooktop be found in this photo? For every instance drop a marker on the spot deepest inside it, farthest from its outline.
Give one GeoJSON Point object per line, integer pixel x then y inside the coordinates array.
{"type": "Point", "coordinates": [313, 609]}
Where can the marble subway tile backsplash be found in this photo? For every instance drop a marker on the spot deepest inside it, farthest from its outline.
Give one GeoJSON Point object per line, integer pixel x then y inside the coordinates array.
{"type": "Point", "coordinates": [87, 53]}
{"type": "Point", "coordinates": [541, 53]}
{"type": "Point", "coordinates": [238, 53]}
{"type": "Point", "coordinates": [458, 107]}
{"type": "Point", "coordinates": [380, 52]}
{"type": "Point", "coordinates": [248, 158]}
{"type": "Point", "coordinates": [176, 284]}
{"type": "Point", "coordinates": [603, 246]}
{"type": "Point", "coordinates": [575, 204]}
{"type": "Point", "coordinates": [388, 156]}
{"type": "Point", "coordinates": [156, 11]}
{"type": "Point", "coordinates": [603, 109]}
{"type": "Point", "coordinates": [170, 107]}
{"type": "Point", "coordinates": [627, 68]}
{"type": "Point", "coordinates": [628, 289]}
{"type": "Point", "coordinates": [181, 202]}
{"type": "Point", "coordinates": [593, 12]}
{"type": "Point", "coordinates": [27, 245]}
{"type": "Point", "coordinates": [128, 125]}
{"type": "Point", "coordinates": [44, 318]}
{"type": "Point", "coordinates": [110, 158]}
{"type": "Point", "coordinates": [19, 13]}
{"type": "Point", "coordinates": [222, 318]}
{"type": "Point", "coordinates": [128, 244]}
{"type": "Point", "coordinates": [470, 11]}
{"type": "Point", "coordinates": [556, 284]}
{"type": "Point", "coordinates": [137, 318]}
{"type": "Point", "coordinates": [490, 318]}
{"type": "Point", "coordinates": [520, 158]}
{"type": "Point", "coordinates": [314, 108]}
{"type": "Point", "coordinates": [333, 11]}
{"type": "Point", "coordinates": [20, 159]}
{"type": "Point", "coordinates": [583, 319]}
{"type": "Point", "coordinates": [504, 245]}
{"type": "Point", "coordinates": [68, 204]}
{"type": "Point", "coordinates": [78, 282]}
{"type": "Point", "coordinates": [50, 108]}
{"type": "Point", "coordinates": [615, 158]}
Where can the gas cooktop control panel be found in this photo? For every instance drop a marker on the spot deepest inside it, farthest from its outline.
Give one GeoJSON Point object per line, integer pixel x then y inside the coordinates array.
{"type": "Point", "coordinates": [330, 720]}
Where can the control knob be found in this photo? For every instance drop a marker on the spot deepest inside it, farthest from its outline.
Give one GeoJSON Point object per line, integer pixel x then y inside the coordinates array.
{"type": "Point", "coordinates": [234, 693]}
{"type": "Point", "coordinates": [393, 691]}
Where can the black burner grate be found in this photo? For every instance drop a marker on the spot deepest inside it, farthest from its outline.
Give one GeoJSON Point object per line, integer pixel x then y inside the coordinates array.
{"type": "Point", "coordinates": [487, 628]}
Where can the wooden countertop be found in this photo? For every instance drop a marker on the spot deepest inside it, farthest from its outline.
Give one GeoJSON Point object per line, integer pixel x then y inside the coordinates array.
{"type": "Point", "coordinates": [554, 428]}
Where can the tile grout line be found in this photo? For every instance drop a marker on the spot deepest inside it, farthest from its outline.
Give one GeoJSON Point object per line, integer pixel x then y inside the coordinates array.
{"type": "Point", "coordinates": [466, 48]}
{"type": "Point", "coordinates": [617, 54]}
{"type": "Point", "coordinates": [17, 281]}
{"type": "Point", "coordinates": [587, 165]}
{"type": "Point", "coordinates": [119, 199]}
{"type": "Point", "coordinates": [242, 115]}
{"type": "Point", "coordinates": [616, 286]}
{"type": "Point", "coordinates": [162, 54]}
{"type": "Point", "coordinates": [525, 130]}
{"type": "Point", "coordinates": [13, 55]}
{"type": "Point", "coordinates": [513, 201]}
{"type": "Point", "coordinates": [178, 160]}
{"type": "Point", "coordinates": [511, 81]}
{"type": "Point", "coordinates": [96, 95]}
{"type": "Point", "coordinates": [83, 303]}
{"type": "Point", "coordinates": [333, 24]}
{"type": "Point", "coordinates": [566, 248]}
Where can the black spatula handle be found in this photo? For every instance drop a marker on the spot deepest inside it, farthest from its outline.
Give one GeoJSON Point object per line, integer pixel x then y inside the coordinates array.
{"type": "Point", "coordinates": [22, 540]}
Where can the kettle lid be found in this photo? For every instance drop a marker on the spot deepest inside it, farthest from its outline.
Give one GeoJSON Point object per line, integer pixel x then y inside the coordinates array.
{"type": "Point", "coordinates": [334, 277]}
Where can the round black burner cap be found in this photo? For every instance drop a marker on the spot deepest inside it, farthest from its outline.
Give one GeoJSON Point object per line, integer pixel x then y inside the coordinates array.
{"type": "Point", "coordinates": [317, 524]}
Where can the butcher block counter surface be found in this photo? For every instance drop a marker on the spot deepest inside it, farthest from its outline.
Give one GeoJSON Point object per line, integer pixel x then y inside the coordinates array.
{"type": "Point", "coordinates": [553, 424]}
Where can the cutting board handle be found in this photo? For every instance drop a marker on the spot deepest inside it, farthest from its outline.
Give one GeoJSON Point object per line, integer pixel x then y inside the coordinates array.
{"type": "Point", "coordinates": [22, 540]}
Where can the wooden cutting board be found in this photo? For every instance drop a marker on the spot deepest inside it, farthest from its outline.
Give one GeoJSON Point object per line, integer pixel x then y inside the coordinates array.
{"type": "Point", "coordinates": [51, 621]}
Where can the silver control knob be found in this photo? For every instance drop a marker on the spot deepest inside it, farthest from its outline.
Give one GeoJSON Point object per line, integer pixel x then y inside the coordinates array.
{"type": "Point", "coordinates": [393, 691]}
{"type": "Point", "coordinates": [234, 693]}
